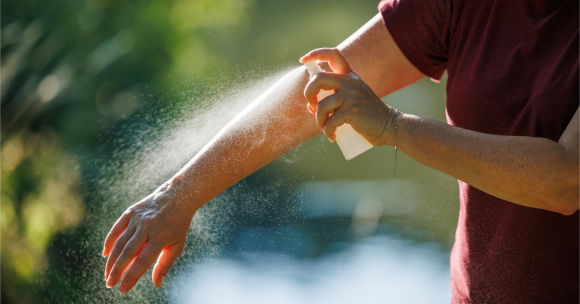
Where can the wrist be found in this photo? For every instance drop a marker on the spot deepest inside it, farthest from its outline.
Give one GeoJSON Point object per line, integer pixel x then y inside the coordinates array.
{"type": "Point", "coordinates": [178, 187]}
{"type": "Point", "coordinates": [390, 134]}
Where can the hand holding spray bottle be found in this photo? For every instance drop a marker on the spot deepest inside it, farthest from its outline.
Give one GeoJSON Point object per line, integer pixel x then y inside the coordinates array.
{"type": "Point", "coordinates": [351, 143]}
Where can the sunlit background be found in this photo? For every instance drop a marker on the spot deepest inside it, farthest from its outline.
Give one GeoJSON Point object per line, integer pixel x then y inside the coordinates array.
{"type": "Point", "coordinates": [104, 100]}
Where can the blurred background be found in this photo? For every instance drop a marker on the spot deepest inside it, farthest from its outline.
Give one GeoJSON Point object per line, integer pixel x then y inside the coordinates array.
{"type": "Point", "coordinates": [103, 100]}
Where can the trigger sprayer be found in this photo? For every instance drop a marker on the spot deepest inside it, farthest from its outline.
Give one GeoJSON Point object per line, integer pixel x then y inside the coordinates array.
{"type": "Point", "coordinates": [351, 143]}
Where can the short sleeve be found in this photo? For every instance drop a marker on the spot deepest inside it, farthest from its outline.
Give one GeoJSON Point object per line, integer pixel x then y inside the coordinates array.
{"type": "Point", "coordinates": [421, 29]}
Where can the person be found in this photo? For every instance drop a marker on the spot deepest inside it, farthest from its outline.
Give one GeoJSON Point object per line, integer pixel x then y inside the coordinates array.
{"type": "Point", "coordinates": [511, 141]}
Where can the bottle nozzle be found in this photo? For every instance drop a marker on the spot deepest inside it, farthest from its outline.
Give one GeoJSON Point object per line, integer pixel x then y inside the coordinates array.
{"type": "Point", "coordinates": [313, 68]}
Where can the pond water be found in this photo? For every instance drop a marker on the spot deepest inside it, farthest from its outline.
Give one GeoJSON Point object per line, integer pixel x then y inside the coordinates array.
{"type": "Point", "coordinates": [382, 268]}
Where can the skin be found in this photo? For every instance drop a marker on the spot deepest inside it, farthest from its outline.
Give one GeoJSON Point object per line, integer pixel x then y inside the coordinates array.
{"type": "Point", "coordinates": [533, 172]}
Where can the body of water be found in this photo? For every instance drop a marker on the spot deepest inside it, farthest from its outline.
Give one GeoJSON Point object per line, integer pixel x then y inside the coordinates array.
{"type": "Point", "coordinates": [382, 268]}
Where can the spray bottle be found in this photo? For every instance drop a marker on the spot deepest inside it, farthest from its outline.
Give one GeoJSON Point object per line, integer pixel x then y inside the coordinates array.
{"type": "Point", "coordinates": [351, 143]}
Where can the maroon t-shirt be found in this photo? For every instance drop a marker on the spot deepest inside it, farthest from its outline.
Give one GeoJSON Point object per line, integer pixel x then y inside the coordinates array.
{"type": "Point", "coordinates": [513, 70]}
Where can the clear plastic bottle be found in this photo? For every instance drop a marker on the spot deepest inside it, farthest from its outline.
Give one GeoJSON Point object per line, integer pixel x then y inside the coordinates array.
{"type": "Point", "coordinates": [351, 143]}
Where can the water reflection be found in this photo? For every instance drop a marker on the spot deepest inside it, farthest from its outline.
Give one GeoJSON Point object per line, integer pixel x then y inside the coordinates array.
{"type": "Point", "coordinates": [379, 269]}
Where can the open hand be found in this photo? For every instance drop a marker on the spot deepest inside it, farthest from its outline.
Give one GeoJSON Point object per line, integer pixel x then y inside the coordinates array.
{"type": "Point", "coordinates": [156, 225]}
{"type": "Point", "coordinates": [353, 101]}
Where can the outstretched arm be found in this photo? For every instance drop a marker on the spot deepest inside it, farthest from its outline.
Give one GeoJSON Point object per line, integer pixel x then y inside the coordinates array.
{"type": "Point", "coordinates": [269, 127]}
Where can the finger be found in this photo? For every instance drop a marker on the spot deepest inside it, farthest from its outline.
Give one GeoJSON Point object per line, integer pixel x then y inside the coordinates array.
{"type": "Point", "coordinates": [333, 56]}
{"type": "Point", "coordinates": [117, 249]}
{"type": "Point", "coordinates": [142, 262]}
{"type": "Point", "coordinates": [116, 231]}
{"type": "Point", "coordinates": [310, 108]}
{"type": "Point", "coordinates": [322, 81]}
{"type": "Point", "coordinates": [336, 120]}
{"type": "Point", "coordinates": [130, 251]}
{"type": "Point", "coordinates": [165, 261]}
{"type": "Point", "coordinates": [327, 107]}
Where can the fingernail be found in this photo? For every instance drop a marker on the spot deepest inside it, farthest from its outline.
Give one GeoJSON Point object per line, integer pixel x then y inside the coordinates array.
{"type": "Point", "coordinates": [160, 282]}
{"type": "Point", "coordinates": [104, 249]}
{"type": "Point", "coordinates": [123, 287]}
{"type": "Point", "coordinates": [303, 58]}
{"type": "Point", "coordinates": [109, 283]}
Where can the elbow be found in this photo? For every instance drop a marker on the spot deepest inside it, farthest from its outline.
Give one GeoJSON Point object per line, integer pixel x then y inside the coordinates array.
{"type": "Point", "coordinates": [570, 196]}
{"type": "Point", "coordinates": [568, 210]}
{"type": "Point", "coordinates": [565, 204]}
{"type": "Point", "coordinates": [555, 204]}
{"type": "Point", "coordinates": [562, 207]}
{"type": "Point", "coordinates": [566, 190]}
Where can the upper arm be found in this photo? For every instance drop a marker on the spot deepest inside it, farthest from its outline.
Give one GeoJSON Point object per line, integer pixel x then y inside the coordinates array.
{"type": "Point", "coordinates": [375, 57]}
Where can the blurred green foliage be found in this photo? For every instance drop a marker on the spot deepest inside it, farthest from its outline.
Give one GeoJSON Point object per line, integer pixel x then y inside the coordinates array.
{"type": "Point", "coordinates": [70, 71]}
{"type": "Point", "coordinates": [39, 199]}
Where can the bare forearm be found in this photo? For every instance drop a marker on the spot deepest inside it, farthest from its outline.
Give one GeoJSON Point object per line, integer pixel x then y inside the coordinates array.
{"type": "Point", "coordinates": [266, 129]}
{"type": "Point", "coordinates": [529, 171]}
